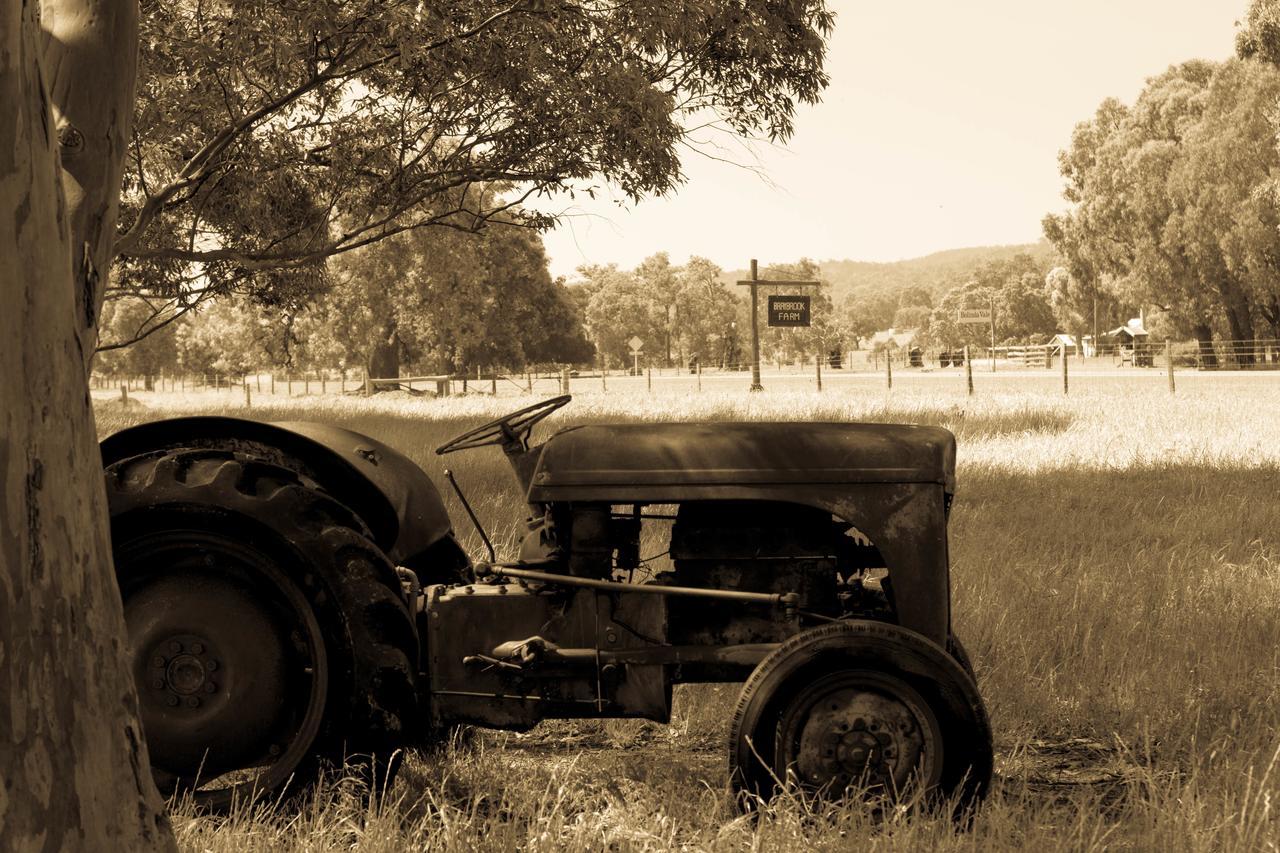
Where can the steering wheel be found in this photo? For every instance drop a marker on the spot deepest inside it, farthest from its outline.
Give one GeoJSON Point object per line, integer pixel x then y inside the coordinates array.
{"type": "Point", "coordinates": [514, 427]}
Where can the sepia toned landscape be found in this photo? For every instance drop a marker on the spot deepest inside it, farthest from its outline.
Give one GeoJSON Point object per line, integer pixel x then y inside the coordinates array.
{"type": "Point", "coordinates": [615, 425]}
{"type": "Point", "coordinates": [1114, 577]}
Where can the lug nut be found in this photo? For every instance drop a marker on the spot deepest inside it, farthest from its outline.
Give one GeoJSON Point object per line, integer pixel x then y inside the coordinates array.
{"type": "Point", "coordinates": [193, 702]}
{"type": "Point", "coordinates": [210, 687]}
{"type": "Point", "coordinates": [175, 647]}
{"type": "Point", "coordinates": [211, 665]}
{"type": "Point", "coordinates": [197, 648]}
{"type": "Point", "coordinates": [157, 683]}
{"type": "Point", "coordinates": [158, 662]}
{"type": "Point", "coordinates": [173, 701]}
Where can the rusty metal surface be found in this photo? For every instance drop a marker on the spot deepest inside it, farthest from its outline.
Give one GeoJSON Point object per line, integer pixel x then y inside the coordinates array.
{"type": "Point", "coordinates": [631, 455]}
{"type": "Point", "coordinates": [469, 683]}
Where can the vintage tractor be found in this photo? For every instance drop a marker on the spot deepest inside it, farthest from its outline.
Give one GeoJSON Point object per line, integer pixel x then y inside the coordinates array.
{"type": "Point", "coordinates": [295, 597]}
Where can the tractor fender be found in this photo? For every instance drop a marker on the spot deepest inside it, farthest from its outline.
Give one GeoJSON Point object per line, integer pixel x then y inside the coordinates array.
{"type": "Point", "coordinates": [392, 495]}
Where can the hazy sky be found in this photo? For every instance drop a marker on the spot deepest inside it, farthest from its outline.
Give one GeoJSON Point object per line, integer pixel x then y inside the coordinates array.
{"type": "Point", "coordinates": [940, 129]}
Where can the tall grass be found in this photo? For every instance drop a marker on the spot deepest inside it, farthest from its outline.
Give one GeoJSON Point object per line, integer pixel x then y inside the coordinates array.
{"type": "Point", "coordinates": [1116, 577]}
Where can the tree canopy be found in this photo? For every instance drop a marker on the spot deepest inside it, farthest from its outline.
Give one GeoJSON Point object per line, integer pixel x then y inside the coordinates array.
{"type": "Point", "coordinates": [270, 136]}
{"type": "Point", "coordinates": [1172, 199]}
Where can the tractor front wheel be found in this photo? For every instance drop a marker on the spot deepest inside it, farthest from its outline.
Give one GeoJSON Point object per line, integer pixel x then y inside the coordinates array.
{"type": "Point", "coordinates": [866, 707]}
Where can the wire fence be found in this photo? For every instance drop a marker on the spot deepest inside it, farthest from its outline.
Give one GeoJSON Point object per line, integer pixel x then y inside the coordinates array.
{"type": "Point", "coordinates": [1028, 366]}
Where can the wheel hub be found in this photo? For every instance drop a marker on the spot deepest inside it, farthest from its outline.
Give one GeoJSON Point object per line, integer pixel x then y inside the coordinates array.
{"type": "Point", "coordinates": [217, 670]}
{"type": "Point", "coordinates": [862, 728]}
{"type": "Point", "coordinates": [183, 667]}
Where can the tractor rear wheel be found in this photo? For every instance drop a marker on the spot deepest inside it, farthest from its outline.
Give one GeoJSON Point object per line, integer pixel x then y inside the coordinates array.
{"type": "Point", "coordinates": [861, 706]}
{"type": "Point", "coordinates": [269, 636]}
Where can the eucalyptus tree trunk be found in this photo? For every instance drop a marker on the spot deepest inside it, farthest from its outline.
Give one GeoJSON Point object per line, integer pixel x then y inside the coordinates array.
{"type": "Point", "coordinates": [74, 772]}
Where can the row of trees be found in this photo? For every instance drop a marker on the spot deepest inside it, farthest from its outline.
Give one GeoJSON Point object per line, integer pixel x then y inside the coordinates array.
{"type": "Point", "coordinates": [1031, 301]}
{"type": "Point", "coordinates": [1174, 198]}
{"type": "Point", "coordinates": [691, 313]}
{"type": "Point", "coordinates": [430, 300]}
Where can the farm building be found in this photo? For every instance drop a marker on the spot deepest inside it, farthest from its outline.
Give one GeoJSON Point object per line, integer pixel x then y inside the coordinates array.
{"type": "Point", "coordinates": [1063, 344]}
{"type": "Point", "coordinates": [1130, 343]}
{"type": "Point", "coordinates": [893, 339]}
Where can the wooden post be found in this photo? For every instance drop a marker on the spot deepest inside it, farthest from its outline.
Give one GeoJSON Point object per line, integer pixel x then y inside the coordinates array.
{"type": "Point", "coordinates": [528, 379]}
{"type": "Point", "coordinates": [968, 370]}
{"type": "Point", "coordinates": [248, 402]}
{"type": "Point", "coordinates": [306, 384]}
{"type": "Point", "coordinates": [888, 370]}
{"type": "Point", "coordinates": [649, 371]}
{"type": "Point", "coordinates": [273, 383]}
{"type": "Point", "coordinates": [755, 331]}
{"type": "Point", "coordinates": [817, 365]}
{"type": "Point", "coordinates": [1168, 360]}
{"type": "Point", "coordinates": [124, 395]}
{"type": "Point", "coordinates": [493, 384]}
{"type": "Point", "coordinates": [1064, 369]}
{"type": "Point", "coordinates": [322, 383]}
{"type": "Point", "coordinates": [564, 380]}
{"type": "Point", "coordinates": [698, 367]}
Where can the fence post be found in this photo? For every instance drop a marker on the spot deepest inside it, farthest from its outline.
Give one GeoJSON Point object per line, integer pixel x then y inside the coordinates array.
{"type": "Point", "coordinates": [698, 367]}
{"type": "Point", "coordinates": [968, 370]}
{"type": "Point", "coordinates": [248, 402]}
{"type": "Point", "coordinates": [817, 366]}
{"type": "Point", "coordinates": [1168, 360]}
{"type": "Point", "coordinates": [306, 384]}
{"type": "Point", "coordinates": [564, 380]}
{"type": "Point", "coordinates": [1064, 370]}
{"type": "Point", "coordinates": [493, 384]}
{"type": "Point", "coordinates": [273, 383]}
{"type": "Point", "coordinates": [649, 372]}
{"type": "Point", "coordinates": [124, 395]}
{"type": "Point", "coordinates": [888, 372]}
{"type": "Point", "coordinates": [322, 382]}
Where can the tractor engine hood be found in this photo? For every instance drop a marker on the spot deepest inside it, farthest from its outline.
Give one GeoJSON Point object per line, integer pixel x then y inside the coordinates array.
{"type": "Point", "coordinates": [741, 454]}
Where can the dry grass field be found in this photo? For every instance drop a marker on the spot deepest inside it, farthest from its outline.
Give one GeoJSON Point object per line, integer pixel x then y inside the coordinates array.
{"type": "Point", "coordinates": [1116, 578]}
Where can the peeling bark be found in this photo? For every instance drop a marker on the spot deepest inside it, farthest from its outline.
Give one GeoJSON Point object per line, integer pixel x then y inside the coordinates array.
{"type": "Point", "coordinates": [90, 59]}
{"type": "Point", "coordinates": [74, 772]}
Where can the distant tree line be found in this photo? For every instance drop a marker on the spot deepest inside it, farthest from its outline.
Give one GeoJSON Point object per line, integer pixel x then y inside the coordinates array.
{"type": "Point", "coordinates": [427, 301]}
{"type": "Point", "coordinates": [692, 314]}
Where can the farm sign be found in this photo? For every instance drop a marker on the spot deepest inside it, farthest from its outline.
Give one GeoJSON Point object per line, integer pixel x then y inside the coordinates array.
{"type": "Point", "coordinates": [976, 316]}
{"type": "Point", "coordinates": [789, 310]}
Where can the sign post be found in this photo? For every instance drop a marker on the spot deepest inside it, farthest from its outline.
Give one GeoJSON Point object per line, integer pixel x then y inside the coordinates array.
{"type": "Point", "coordinates": [980, 317]}
{"type": "Point", "coordinates": [637, 346]}
{"type": "Point", "coordinates": [790, 311]}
